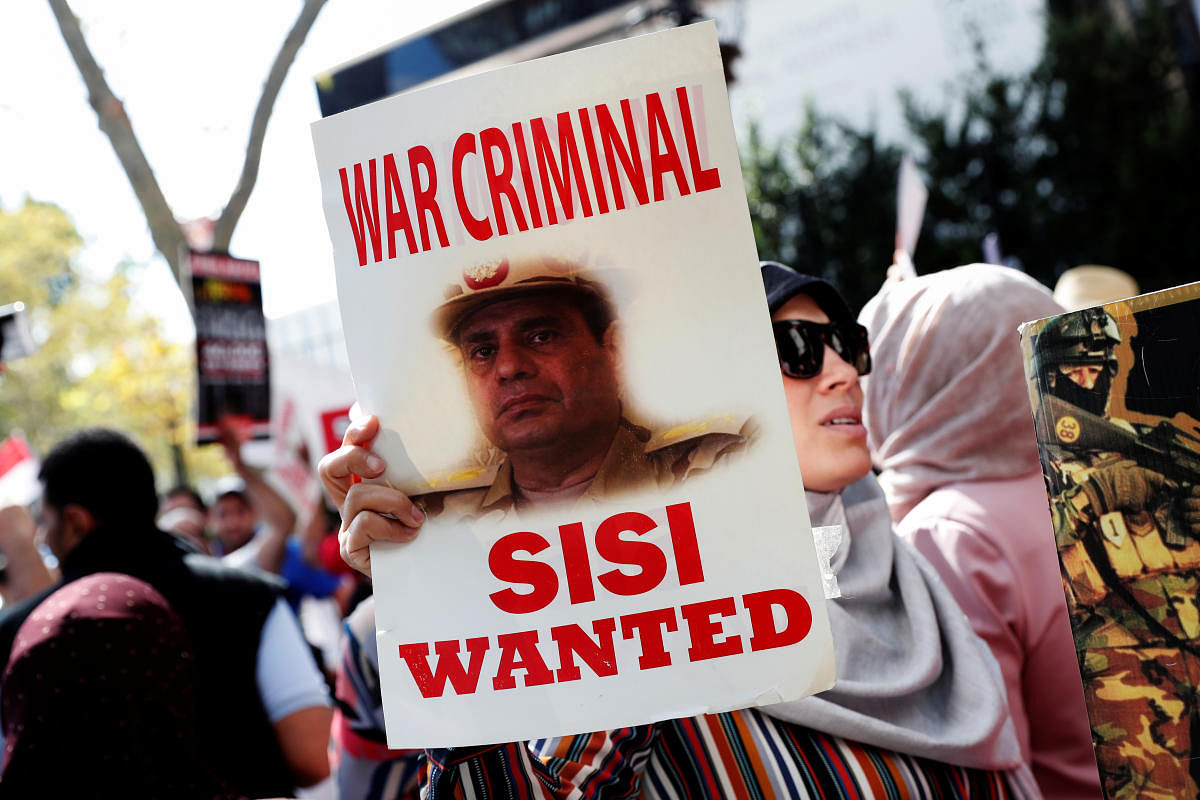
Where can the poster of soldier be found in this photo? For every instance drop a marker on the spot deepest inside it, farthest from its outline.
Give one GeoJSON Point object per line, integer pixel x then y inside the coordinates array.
{"type": "Point", "coordinates": [1116, 399]}
{"type": "Point", "coordinates": [538, 268]}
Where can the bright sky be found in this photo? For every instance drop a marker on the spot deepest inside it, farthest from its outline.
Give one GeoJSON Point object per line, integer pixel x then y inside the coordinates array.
{"type": "Point", "coordinates": [190, 76]}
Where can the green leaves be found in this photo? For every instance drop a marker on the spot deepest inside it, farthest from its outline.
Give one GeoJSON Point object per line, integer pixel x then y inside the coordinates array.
{"type": "Point", "coordinates": [100, 360]}
{"type": "Point", "coordinates": [1092, 157]}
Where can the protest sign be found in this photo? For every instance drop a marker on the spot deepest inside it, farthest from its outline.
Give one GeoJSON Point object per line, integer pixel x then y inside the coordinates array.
{"type": "Point", "coordinates": [19, 484]}
{"type": "Point", "coordinates": [1117, 420]}
{"type": "Point", "coordinates": [16, 341]}
{"type": "Point", "coordinates": [231, 345]}
{"type": "Point", "coordinates": [310, 409]}
{"type": "Point", "coordinates": [911, 195]}
{"type": "Point", "coordinates": [555, 260]}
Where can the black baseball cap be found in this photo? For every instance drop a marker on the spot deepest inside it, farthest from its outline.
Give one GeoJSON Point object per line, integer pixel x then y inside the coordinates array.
{"type": "Point", "coordinates": [782, 283]}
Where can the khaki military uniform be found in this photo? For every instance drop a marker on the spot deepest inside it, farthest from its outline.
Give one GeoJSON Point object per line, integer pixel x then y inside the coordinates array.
{"type": "Point", "coordinates": [1132, 581]}
{"type": "Point", "coordinates": [637, 460]}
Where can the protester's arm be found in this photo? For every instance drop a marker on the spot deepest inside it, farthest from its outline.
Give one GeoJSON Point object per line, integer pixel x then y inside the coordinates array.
{"type": "Point", "coordinates": [275, 511]}
{"type": "Point", "coordinates": [294, 696]}
{"type": "Point", "coordinates": [26, 573]}
{"type": "Point", "coordinates": [304, 738]}
{"type": "Point", "coordinates": [314, 530]}
{"type": "Point", "coordinates": [367, 769]}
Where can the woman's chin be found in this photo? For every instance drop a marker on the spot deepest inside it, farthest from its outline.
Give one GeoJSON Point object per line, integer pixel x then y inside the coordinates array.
{"type": "Point", "coordinates": [838, 468]}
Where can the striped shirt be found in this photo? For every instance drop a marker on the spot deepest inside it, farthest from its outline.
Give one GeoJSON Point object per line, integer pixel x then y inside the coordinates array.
{"type": "Point", "coordinates": [739, 754]}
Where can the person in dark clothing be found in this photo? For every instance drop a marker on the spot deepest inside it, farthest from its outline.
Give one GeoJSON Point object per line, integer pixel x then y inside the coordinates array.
{"type": "Point", "coordinates": [137, 693]}
{"type": "Point", "coordinates": [98, 512]}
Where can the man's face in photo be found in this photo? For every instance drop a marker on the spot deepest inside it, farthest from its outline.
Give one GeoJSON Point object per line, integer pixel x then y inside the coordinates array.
{"type": "Point", "coordinates": [1084, 375]}
{"type": "Point", "coordinates": [536, 374]}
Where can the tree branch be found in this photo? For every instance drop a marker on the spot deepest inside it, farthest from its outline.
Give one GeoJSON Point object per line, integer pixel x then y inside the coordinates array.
{"type": "Point", "coordinates": [223, 231]}
{"type": "Point", "coordinates": [110, 112]}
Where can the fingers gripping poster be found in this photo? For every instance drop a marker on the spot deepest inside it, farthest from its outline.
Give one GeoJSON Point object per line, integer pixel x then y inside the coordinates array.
{"type": "Point", "coordinates": [551, 300]}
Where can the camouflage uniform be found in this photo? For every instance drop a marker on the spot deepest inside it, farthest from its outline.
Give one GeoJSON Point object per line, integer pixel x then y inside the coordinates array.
{"type": "Point", "coordinates": [636, 460]}
{"type": "Point", "coordinates": [1132, 576]}
{"type": "Point", "coordinates": [1132, 599]}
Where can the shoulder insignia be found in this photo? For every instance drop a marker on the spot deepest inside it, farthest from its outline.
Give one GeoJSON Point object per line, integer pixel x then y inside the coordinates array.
{"type": "Point", "coordinates": [1067, 429]}
{"type": "Point", "coordinates": [727, 424]}
{"type": "Point", "coordinates": [476, 476]}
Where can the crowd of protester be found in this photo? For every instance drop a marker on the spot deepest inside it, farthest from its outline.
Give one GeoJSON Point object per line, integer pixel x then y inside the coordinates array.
{"type": "Point", "coordinates": [165, 649]}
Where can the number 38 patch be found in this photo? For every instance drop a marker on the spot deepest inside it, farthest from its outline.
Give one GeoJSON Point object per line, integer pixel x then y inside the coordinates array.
{"type": "Point", "coordinates": [1067, 429]}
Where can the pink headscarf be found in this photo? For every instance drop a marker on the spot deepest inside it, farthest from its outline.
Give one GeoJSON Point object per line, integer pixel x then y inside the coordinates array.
{"type": "Point", "coordinates": [946, 400]}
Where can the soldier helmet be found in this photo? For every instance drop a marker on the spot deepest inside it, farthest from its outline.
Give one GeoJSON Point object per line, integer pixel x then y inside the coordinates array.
{"type": "Point", "coordinates": [1089, 336]}
{"type": "Point", "coordinates": [1080, 338]}
{"type": "Point", "coordinates": [482, 284]}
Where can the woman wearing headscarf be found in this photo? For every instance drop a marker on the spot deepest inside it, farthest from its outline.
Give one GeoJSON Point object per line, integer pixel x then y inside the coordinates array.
{"type": "Point", "coordinates": [918, 709]}
{"type": "Point", "coordinates": [98, 698]}
{"type": "Point", "coordinates": [949, 427]}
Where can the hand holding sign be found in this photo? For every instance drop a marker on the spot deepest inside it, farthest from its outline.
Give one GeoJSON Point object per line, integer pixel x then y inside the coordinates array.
{"type": "Point", "coordinates": [370, 512]}
{"type": "Point", "coordinates": [901, 268]}
{"type": "Point", "coordinates": [233, 431]}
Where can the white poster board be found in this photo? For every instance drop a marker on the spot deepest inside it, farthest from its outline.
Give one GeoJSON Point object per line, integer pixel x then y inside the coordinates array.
{"type": "Point", "coordinates": [310, 409]}
{"type": "Point", "coordinates": [911, 195]}
{"type": "Point", "coordinates": [693, 588]}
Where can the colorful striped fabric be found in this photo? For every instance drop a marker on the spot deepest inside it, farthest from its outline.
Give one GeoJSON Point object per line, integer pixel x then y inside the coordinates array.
{"type": "Point", "coordinates": [741, 754]}
{"type": "Point", "coordinates": [747, 754]}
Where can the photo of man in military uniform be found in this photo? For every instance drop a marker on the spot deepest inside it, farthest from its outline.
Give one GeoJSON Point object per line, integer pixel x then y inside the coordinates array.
{"type": "Point", "coordinates": [537, 338]}
{"type": "Point", "coordinates": [1126, 513]}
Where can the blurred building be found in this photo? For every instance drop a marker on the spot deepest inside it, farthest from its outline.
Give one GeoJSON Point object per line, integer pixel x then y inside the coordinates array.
{"type": "Point", "coordinates": [849, 57]}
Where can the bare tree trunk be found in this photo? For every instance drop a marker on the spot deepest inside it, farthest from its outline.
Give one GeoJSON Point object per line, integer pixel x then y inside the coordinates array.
{"type": "Point", "coordinates": [164, 228]}
{"type": "Point", "coordinates": [223, 232]}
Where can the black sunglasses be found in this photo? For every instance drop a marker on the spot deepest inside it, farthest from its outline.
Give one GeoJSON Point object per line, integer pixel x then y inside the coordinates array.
{"type": "Point", "coordinates": [801, 346]}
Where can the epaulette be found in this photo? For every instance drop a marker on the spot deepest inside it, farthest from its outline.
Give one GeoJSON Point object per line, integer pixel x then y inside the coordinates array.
{"type": "Point", "coordinates": [474, 476]}
{"type": "Point", "coordinates": [726, 424]}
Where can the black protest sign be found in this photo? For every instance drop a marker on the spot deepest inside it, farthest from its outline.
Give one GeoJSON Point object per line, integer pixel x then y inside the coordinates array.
{"type": "Point", "coordinates": [233, 378]}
